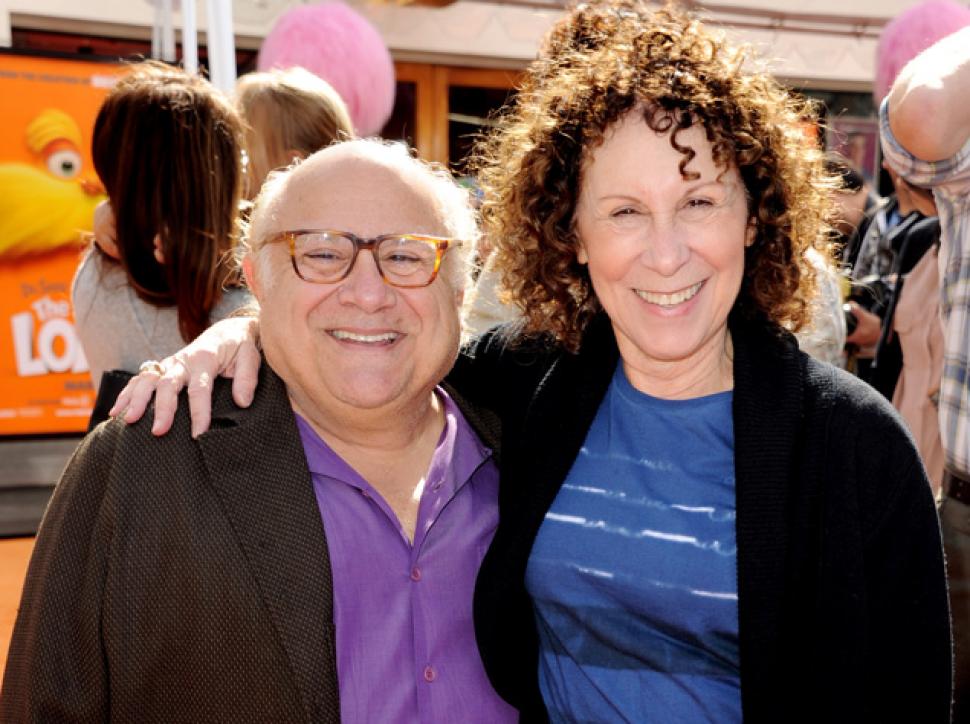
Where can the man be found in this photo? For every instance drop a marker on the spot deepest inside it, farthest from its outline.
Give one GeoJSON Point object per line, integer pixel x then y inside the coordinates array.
{"type": "Point", "coordinates": [310, 558]}
{"type": "Point", "coordinates": [925, 129]}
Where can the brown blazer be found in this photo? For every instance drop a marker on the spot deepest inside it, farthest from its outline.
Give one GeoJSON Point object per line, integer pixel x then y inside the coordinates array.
{"type": "Point", "coordinates": [179, 580]}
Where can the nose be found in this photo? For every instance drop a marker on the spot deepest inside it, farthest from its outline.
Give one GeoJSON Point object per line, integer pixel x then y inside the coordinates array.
{"type": "Point", "coordinates": [91, 187]}
{"type": "Point", "coordinates": [364, 287]}
{"type": "Point", "coordinates": [666, 249]}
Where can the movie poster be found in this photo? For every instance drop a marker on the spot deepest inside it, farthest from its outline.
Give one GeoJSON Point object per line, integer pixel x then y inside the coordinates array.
{"type": "Point", "coordinates": [48, 191]}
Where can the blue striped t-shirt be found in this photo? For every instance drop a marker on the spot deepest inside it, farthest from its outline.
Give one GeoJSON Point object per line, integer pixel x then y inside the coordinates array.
{"type": "Point", "coordinates": [633, 573]}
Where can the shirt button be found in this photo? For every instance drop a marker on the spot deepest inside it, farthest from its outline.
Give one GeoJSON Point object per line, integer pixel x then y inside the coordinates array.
{"type": "Point", "coordinates": [430, 674]}
{"type": "Point", "coordinates": [415, 574]}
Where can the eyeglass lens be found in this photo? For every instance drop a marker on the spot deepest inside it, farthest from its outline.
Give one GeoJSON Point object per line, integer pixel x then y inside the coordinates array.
{"type": "Point", "coordinates": [326, 257]}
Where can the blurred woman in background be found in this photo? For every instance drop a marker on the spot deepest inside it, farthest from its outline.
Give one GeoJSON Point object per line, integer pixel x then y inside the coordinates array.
{"type": "Point", "coordinates": [288, 114]}
{"type": "Point", "coordinates": [168, 149]}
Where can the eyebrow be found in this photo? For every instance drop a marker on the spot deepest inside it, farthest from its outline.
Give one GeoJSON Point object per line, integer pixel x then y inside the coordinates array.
{"type": "Point", "coordinates": [712, 182]}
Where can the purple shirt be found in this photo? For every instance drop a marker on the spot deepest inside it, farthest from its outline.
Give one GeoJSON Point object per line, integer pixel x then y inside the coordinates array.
{"type": "Point", "coordinates": [403, 612]}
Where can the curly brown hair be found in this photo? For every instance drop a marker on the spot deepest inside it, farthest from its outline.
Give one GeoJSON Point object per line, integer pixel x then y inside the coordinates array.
{"type": "Point", "coordinates": [601, 61]}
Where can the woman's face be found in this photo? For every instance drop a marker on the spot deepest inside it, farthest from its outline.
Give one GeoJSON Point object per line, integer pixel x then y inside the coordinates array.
{"type": "Point", "coordinates": [665, 255]}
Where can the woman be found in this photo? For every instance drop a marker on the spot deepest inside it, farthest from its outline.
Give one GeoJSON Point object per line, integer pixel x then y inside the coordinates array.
{"type": "Point", "coordinates": [288, 114]}
{"type": "Point", "coordinates": [167, 147]}
{"type": "Point", "coordinates": [698, 522]}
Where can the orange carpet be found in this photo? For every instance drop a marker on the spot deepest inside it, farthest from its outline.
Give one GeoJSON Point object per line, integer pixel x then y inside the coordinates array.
{"type": "Point", "coordinates": [14, 555]}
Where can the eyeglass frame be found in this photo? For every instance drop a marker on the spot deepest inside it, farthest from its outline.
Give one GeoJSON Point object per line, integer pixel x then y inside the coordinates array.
{"type": "Point", "coordinates": [441, 245]}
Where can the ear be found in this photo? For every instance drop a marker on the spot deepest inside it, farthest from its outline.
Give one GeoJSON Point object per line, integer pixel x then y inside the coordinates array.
{"type": "Point", "coordinates": [252, 279]}
{"type": "Point", "coordinates": [158, 252]}
{"type": "Point", "coordinates": [581, 256]}
{"type": "Point", "coordinates": [751, 232]}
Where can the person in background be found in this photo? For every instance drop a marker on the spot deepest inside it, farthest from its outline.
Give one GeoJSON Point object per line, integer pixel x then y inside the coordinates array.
{"type": "Point", "coordinates": [876, 349]}
{"type": "Point", "coordinates": [864, 252]}
{"type": "Point", "coordinates": [823, 335]}
{"type": "Point", "coordinates": [925, 133]}
{"type": "Point", "coordinates": [869, 256]}
{"type": "Point", "coordinates": [485, 308]}
{"type": "Point", "coordinates": [914, 319]}
{"type": "Point", "coordinates": [698, 522]}
{"type": "Point", "coordinates": [313, 559]}
{"type": "Point", "coordinates": [854, 200]}
{"type": "Point", "coordinates": [167, 147]}
{"type": "Point", "coordinates": [289, 114]}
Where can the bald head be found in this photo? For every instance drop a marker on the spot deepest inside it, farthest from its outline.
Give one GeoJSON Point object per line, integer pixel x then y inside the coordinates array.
{"type": "Point", "coordinates": [368, 188]}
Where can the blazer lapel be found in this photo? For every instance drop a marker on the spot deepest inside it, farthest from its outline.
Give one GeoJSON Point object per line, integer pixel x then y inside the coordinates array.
{"type": "Point", "coordinates": [258, 468]}
{"type": "Point", "coordinates": [767, 416]}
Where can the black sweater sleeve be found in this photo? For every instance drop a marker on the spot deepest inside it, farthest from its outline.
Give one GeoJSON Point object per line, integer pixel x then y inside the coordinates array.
{"type": "Point", "coordinates": [905, 579]}
{"type": "Point", "coordinates": [904, 664]}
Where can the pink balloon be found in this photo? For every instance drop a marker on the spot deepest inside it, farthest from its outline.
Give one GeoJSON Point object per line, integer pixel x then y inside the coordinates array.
{"type": "Point", "coordinates": [342, 47]}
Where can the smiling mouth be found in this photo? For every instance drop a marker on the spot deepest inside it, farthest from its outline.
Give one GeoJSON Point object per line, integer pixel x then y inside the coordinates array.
{"type": "Point", "coordinates": [669, 300]}
{"type": "Point", "coordinates": [383, 338]}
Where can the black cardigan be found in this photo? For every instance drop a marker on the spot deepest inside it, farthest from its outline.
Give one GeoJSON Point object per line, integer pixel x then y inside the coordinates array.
{"type": "Point", "coordinates": [842, 595]}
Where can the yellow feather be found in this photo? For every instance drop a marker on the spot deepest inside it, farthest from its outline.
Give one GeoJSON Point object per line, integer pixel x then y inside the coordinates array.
{"type": "Point", "coordinates": [39, 213]}
{"type": "Point", "coordinates": [51, 125]}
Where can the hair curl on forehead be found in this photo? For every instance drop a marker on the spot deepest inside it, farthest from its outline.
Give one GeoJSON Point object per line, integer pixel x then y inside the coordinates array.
{"type": "Point", "coordinates": [609, 58]}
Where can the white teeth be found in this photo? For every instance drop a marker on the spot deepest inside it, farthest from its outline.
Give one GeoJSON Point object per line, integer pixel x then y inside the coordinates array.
{"type": "Point", "coordinates": [669, 300]}
{"type": "Point", "coordinates": [365, 338]}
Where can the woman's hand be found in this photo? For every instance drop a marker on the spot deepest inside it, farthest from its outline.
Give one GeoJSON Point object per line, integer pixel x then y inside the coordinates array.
{"type": "Point", "coordinates": [228, 348]}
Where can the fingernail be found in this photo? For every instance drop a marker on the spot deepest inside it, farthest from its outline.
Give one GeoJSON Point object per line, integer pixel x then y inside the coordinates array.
{"type": "Point", "coordinates": [156, 428]}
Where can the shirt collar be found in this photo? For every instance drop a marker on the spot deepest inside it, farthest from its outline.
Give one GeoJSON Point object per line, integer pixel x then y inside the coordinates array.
{"type": "Point", "coordinates": [458, 454]}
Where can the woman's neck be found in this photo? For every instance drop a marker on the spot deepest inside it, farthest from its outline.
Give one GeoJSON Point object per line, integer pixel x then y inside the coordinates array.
{"type": "Point", "coordinates": [708, 371]}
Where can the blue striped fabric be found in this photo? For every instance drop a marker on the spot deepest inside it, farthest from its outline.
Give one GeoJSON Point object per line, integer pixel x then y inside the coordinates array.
{"type": "Point", "coordinates": [633, 573]}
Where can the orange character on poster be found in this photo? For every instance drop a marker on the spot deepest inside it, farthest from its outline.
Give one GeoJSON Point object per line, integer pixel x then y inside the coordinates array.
{"type": "Point", "coordinates": [46, 205]}
{"type": "Point", "coordinates": [48, 193]}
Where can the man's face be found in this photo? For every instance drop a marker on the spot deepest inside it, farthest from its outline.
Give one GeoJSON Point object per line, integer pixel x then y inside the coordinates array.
{"type": "Point", "coordinates": [357, 346]}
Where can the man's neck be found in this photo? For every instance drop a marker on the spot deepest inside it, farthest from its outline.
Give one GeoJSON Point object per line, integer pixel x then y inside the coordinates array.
{"type": "Point", "coordinates": [390, 449]}
{"type": "Point", "coordinates": [378, 431]}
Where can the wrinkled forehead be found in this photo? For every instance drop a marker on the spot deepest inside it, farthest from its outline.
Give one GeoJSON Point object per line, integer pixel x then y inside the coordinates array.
{"type": "Point", "coordinates": [684, 135]}
{"type": "Point", "coordinates": [348, 191]}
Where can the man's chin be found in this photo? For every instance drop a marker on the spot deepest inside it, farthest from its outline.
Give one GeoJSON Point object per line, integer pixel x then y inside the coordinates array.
{"type": "Point", "coordinates": [371, 391]}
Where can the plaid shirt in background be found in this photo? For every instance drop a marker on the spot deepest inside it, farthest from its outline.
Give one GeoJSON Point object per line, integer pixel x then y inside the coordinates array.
{"type": "Point", "coordinates": [950, 181]}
